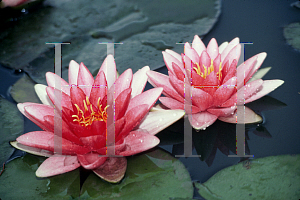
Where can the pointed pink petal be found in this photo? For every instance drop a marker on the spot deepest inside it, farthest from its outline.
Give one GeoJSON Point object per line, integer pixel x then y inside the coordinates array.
{"type": "Point", "coordinates": [178, 72]}
{"type": "Point", "coordinates": [94, 142]}
{"type": "Point", "coordinates": [198, 45]}
{"type": "Point", "coordinates": [99, 89]}
{"type": "Point", "coordinates": [204, 60]}
{"type": "Point", "coordinates": [57, 165]}
{"type": "Point", "coordinates": [250, 117]}
{"type": "Point", "coordinates": [121, 103]}
{"type": "Point", "coordinates": [157, 121]}
{"type": "Point", "coordinates": [98, 128]}
{"type": "Point", "coordinates": [267, 87]}
{"type": "Point", "coordinates": [160, 80]}
{"type": "Point", "coordinates": [247, 91]}
{"type": "Point", "coordinates": [123, 82]}
{"type": "Point", "coordinates": [191, 53]}
{"type": "Point", "coordinates": [234, 54]}
{"type": "Point", "coordinates": [37, 112]}
{"type": "Point", "coordinates": [91, 160]}
{"type": "Point", "coordinates": [201, 99]}
{"type": "Point", "coordinates": [243, 71]}
{"type": "Point", "coordinates": [113, 170]}
{"type": "Point", "coordinates": [177, 84]}
{"type": "Point", "coordinates": [173, 104]}
{"type": "Point", "coordinates": [260, 59]}
{"type": "Point", "coordinates": [52, 78]}
{"type": "Point", "coordinates": [133, 118]}
{"type": "Point", "coordinates": [139, 81]}
{"type": "Point", "coordinates": [31, 150]}
{"type": "Point", "coordinates": [149, 97]}
{"type": "Point", "coordinates": [73, 72]}
{"type": "Point", "coordinates": [202, 120]}
{"type": "Point", "coordinates": [229, 71]}
{"type": "Point", "coordinates": [222, 47]}
{"type": "Point", "coordinates": [40, 90]}
{"type": "Point", "coordinates": [65, 99]}
{"type": "Point", "coordinates": [228, 48]}
{"type": "Point", "coordinates": [224, 92]}
{"type": "Point", "coordinates": [109, 68]}
{"type": "Point", "coordinates": [222, 112]}
{"type": "Point", "coordinates": [212, 48]}
{"type": "Point", "coordinates": [210, 84]}
{"type": "Point", "coordinates": [77, 97]}
{"type": "Point", "coordinates": [85, 79]}
{"type": "Point", "coordinates": [175, 55]}
{"type": "Point", "coordinates": [137, 142]}
{"type": "Point", "coordinates": [169, 59]}
{"type": "Point", "coordinates": [260, 74]}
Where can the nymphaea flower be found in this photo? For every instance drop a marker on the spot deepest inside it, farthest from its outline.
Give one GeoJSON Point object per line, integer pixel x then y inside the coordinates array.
{"type": "Point", "coordinates": [83, 120]}
{"type": "Point", "coordinates": [211, 78]}
{"type": "Point", "coordinates": [14, 3]}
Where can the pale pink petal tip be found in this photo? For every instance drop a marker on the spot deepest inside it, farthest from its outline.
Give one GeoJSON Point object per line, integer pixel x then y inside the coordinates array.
{"type": "Point", "coordinates": [202, 120]}
{"type": "Point", "coordinates": [250, 117]}
{"type": "Point", "coordinates": [57, 165]}
{"type": "Point", "coordinates": [40, 90]}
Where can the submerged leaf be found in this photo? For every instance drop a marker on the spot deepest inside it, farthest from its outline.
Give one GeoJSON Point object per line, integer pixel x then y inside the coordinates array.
{"type": "Point", "coordinates": [292, 35]}
{"type": "Point", "coordinates": [274, 177]}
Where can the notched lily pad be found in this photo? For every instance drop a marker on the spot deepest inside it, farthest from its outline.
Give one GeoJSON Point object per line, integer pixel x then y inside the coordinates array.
{"type": "Point", "coordinates": [23, 91]}
{"type": "Point", "coordinates": [154, 175]}
{"type": "Point", "coordinates": [18, 181]}
{"type": "Point", "coordinates": [274, 177]}
{"type": "Point", "coordinates": [292, 35]}
{"type": "Point", "coordinates": [11, 126]}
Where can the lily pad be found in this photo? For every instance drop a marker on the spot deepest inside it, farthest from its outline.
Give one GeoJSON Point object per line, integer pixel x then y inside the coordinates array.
{"type": "Point", "coordinates": [11, 126]}
{"type": "Point", "coordinates": [18, 181]}
{"type": "Point", "coordinates": [292, 35]}
{"type": "Point", "coordinates": [23, 91]}
{"type": "Point", "coordinates": [154, 175]}
{"type": "Point", "coordinates": [145, 29]}
{"type": "Point", "coordinates": [274, 177]}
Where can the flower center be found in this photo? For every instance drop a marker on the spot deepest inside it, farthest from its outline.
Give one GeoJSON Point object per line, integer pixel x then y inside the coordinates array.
{"type": "Point", "coordinates": [208, 70]}
{"type": "Point", "coordinates": [86, 117]}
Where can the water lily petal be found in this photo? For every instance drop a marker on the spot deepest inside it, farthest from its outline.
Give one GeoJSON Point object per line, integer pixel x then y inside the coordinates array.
{"type": "Point", "coordinates": [249, 117]}
{"type": "Point", "coordinates": [178, 72]}
{"type": "Point", "coordinates": [138, 141]}
{"type": "Point", "coordinates": [73, 72]}
{"type": "Point", "coordinates": [177, 84]}
{"type": "Point", "coordinates": [57, 165]}
{"type": "Point", "coordinates": [139, 81]}
{"type": "Point", "coordinates": [260, 59]}
{"type": "Point", "coordinates": [51, 80]}
{"type": "Point", "coordinates": [65, 99]}
{"type": "Point", "coordinates": [109, 68]}
{"type": "Point", "coordinates": [201, 99]}
{"type": "Point", "coordinates": [202, 120]}
{"type": "Point", "coordinates": [113, 169]}
{"type": "Point", "coordinates": [222, 47]}
{"type": "Point", "coordinates": [260, 74]}
{"type": "Point", "coordinates": [191, 53]}
{"type": "Point", "coordinates": [244, 69]}
{"type": "Point", "coordinates": [175, 55]}
{"type": "Point", "coordinates": [31, 150]}
{"type": "Point", "coordinates": [37, 112]}
{"type": "Point", "coordinates": [234, 54]}
{"type": "Point", "coordinates": [122, 101]}
{"type": "Point", "coordinates": [123, 82]}
{"type": "Point", "coordinates": [212, 48]}
{"type": "Point", "coordinates": [228, 48]}
{"type": "Point", "coordinates": [160, 80]}
{"type": "Point", "coordinates": [169, 59]}
{"type": "Point", "coordinates": [198, 45]}
{"type": "Point", "coordinates": [267, 87]}
{"type": "Point", "coordinates": [91, 160]}
{"type": "Point", "coordinates": [85, 79]}
{"type": "Point", "coordinates": [224, 92]}
{"type": "Point", "coordinates": [99, 89]}
{"type": "Point", "coordinates": [149, 97]}
{"type": "Point", "coordinates": [40, 90]}
{"type": "Point", "coordinates": [77, 97]}
{"type": "Point", "coordinates": [222, 112]}
{"type": "Point", "coordinates": [157, 121]}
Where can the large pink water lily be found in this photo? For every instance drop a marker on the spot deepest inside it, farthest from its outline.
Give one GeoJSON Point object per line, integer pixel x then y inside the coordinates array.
{"type": "Point", "coordinates": [83, 120]}
{"type": "Point", "coordinates": [210, 74]}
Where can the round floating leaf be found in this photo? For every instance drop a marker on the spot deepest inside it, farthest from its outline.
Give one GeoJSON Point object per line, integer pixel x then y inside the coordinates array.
{"type": "Point", "coordinates": [23, 91]}
{"type": "Point", "coordinates": [11, 126]}
{"type": "Point", "coordinates": [155, 175]}
{"type": "Point", "coordinates": [274, 177]}
{"type": "Point", "coordinates": [292, 35]}
{"type": "Point", "coordinates": [18, 181]}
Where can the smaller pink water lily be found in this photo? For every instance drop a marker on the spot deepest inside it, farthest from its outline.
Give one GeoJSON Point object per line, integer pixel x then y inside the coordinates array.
{"type": "Point", "coordinates": [84, 120]}
{"type": "Point", "coordinates": [210, 74]}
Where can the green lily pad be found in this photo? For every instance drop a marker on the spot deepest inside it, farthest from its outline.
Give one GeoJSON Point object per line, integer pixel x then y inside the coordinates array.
{"type": "Point", "coordinates": [18, 181]}
{"type": "Point", "coordinates": [11, 126]}
{"type": "Point", "coordinates": [274, 177]}
{"type": "Point", "coordinates": [154, 175]}
{"type": "Point", "coordinates": [144, 28]}
{"type": "Point", "coordinates": [23, 91]}
{"type": "Point", "coordinates": [292, 35]}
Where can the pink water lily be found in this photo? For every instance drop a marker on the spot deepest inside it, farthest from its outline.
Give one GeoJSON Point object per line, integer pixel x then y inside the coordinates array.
{"type": "Point", "coordinates": [83, 120]}
{"type": "Point", "coordinates": [14, 3]}
{"type": "Point", "coordinates": [210, 74]}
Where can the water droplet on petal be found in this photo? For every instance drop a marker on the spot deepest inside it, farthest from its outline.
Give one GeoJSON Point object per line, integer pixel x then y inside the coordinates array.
{"type": "Point", "coordinates": [174, 114]}
{"type": "Point", "coordinates": [160, 119]}
{"type": "Point", "coordinates": [204, 128]}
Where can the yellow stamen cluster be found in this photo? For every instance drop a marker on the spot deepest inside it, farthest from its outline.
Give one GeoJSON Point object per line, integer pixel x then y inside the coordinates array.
{"type": "Point", "coordinates": [208, 70]}
{"type": "Point", "coordinates": [83, 120]}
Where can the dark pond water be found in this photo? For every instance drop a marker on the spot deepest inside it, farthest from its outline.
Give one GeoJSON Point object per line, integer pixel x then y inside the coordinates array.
{"type": "Point", "coordinates": [261, 23]}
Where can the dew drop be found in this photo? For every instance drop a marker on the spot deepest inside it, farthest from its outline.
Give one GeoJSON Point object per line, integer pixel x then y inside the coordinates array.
{"type": "Point", "coordinates": [204, 128]}
{"type": "Point", "coordinates": [141, 140]}
{"type": "Point", "coordinates": [160, 119]}
{"type": "Point", "coordinates": [174, 114]}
